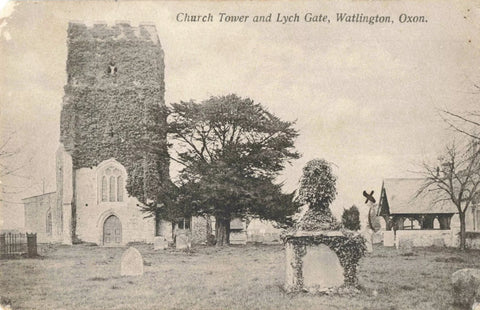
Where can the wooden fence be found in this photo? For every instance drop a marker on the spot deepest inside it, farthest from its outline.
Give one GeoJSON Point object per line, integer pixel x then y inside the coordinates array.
{"type": "Point", "coordinates": [18, 244]}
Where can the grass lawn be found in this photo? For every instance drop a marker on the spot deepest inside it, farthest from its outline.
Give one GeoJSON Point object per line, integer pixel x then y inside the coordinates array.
{"type": "Point", "coordinates": [251, 277]}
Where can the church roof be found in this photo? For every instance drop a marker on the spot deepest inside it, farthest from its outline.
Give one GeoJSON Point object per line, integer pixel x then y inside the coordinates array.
{"type": "Point", "coordinates": [40, 196]}
{"type": "Point", "coordinates": [402, 196]}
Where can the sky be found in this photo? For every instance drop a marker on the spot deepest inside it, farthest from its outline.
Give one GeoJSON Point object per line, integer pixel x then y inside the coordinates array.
{"type": "Point", "coordinates": [364, 97]}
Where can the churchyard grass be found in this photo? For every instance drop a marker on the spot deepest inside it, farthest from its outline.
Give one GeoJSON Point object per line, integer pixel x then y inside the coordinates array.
{"type": "Point", "coordinates": [250, 277]}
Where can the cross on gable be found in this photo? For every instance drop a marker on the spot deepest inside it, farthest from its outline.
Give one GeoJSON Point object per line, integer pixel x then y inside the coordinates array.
{"type": "Point", "coordinates": [369, 196]}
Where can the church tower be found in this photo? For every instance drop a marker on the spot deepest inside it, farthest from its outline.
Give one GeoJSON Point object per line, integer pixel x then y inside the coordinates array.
{"type": "Point", "coordinates": [112, 132]}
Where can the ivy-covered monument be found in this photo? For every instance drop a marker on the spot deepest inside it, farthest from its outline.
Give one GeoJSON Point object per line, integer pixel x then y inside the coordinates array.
{"type": "Point", "coordinates": [113, 150]}
{"type": "Point", "coordinates": [320, 254]}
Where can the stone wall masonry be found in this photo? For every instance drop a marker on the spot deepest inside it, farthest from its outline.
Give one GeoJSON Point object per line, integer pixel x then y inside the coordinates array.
{"type": "Point", "coordinates": [426, 238]}
{"type": "Point", "coordinates": [114, 106]}
{"type": "Point", "coordinates": [472, 240]}
{"type": "Point", "coordinates": [36, 209]}
{"type": "Point", "coordinates": [91, 214]}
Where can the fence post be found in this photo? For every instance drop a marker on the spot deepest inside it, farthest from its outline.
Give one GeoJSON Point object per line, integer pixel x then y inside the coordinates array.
{"type": "Point", "coordinates": [32, 244]}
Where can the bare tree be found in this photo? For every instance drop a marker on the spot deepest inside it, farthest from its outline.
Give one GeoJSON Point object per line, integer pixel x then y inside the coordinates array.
{"type": "Point", "coordinates": [456, 179]}
{"type": "Point", "coordinates": [467, 123]}
{"type": "Point", "coordinates": [10, 166]}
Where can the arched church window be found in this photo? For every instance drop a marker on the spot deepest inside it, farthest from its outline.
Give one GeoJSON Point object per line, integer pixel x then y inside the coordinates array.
{"type": "Point", "coordinates": [111, 184]}
{"type": "Point", "coordinates": [120, 188]}
{"type": "Point", "coordinates": [112, 188]}
{"type": "Point", "coordinates": [104, 189]}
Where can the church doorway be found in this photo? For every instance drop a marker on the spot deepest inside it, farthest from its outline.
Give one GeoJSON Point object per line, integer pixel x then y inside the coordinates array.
{"type": "Point", "coordinates": [112, 231]}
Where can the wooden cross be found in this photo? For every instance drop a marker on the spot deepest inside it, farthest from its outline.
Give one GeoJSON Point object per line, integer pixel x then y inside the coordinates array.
{"type": "Point", "coordinates": [369, 196]}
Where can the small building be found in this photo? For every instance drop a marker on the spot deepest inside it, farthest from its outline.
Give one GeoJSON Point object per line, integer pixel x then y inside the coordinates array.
{"type": "Point", "coordinates": [422, 218]}
{"type": "Point", "coordinates": [403, 206]}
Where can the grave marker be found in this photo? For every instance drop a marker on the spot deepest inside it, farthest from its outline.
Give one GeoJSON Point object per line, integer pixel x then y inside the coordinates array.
{"type": "Point", "coordinates": [183, 241]}
{"type": "Point", "coordinates": [131, 263]}
{"type": "Point", "coordinates": [388, 238]}
{"type": "Point", "coordinates": [160, 243]}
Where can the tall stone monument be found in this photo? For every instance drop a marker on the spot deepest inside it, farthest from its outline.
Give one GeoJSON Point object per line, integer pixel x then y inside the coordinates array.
{"type": "Point", "coordinates": [320, 255]}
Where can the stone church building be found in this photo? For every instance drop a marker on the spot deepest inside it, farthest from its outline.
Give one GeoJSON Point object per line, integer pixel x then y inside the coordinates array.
{"type": "Point", "coordinates": [113, 149]}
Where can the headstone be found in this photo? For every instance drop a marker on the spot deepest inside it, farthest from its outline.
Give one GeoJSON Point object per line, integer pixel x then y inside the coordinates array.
{"type": "Point", "coordinates": [373, 219]}
{"type": "Point", "coordinates": [405, 247]}
{"type": "Point", "coordinates": [368, 235]}
{"type": "Point", "coordinates": [466, 284]}
{"type": "Point", "coordinates": [182, 241]}
{"type": "Point", "coordinates": [439, 242]}
{"type": "Point", "coordinates": [377, 237]}
{"type": "Point", "coordinates": [388, 238]}
{"type": "Point", "coordinates": [321, 268]}
{"type": "Point", "coordinates": [131, 263]}
{"type": "Point", "coordinates": [160, 243]}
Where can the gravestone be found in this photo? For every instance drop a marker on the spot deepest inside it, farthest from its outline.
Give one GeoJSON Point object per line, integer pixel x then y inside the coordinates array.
{"type": "Point", "coordinates": [368, 235]}
{"type": "Point", "coordinates": [183, 241]}
{"type": "Point", "coordinates": [160, 243]}
{"type": "Point", "coordinates": [388, 238]}
{"type": "Point", "coordinates": [377, 237]}
{"type": "Point", "coordinates": [405, 247]}
{"type": "Point", "coordinates": [321, 269]}
{"type": "Point", "coordinates": [131, 263]}
{"type": "Point", "coordinates": [439, 242]}
{"type": "Point", "coordinates": [466, 285]}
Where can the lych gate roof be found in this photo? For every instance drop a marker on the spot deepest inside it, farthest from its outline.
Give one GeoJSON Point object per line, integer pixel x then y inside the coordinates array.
{"type": "Point", "coordinates": [401, 196]}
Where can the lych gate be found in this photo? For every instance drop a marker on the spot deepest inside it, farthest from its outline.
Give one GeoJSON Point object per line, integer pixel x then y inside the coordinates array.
{"type": "Point", "coordinates": [403, 206]}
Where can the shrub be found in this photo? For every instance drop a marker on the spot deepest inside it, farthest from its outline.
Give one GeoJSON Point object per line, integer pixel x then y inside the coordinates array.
{"type": "Point", "coordinates": [351, 218]}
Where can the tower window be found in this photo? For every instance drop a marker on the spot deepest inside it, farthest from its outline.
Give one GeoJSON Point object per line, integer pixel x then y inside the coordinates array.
{"type": "Point", "coordinates": [119, 188]}
{"type": "Point", "coordinates": [112, 188]}
{"type": "Point", "coordinates": [111, 185]}
{"type": "Point", "coordinates": [104, 188]}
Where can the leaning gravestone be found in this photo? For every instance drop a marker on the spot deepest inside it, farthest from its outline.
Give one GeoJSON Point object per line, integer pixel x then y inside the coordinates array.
{"type": "Point", "coordinates": [182, 241]}
{"type": "Point", "coordinates": [466, 284]}
{"type": "Point", "coordinates": [368, 235]}
{"type": "Point", "coordinates": [377, 237]}
{"type": "Point", "coordinates": [131, 263]}
{"type": "Point", "coordinates": [160, 243]}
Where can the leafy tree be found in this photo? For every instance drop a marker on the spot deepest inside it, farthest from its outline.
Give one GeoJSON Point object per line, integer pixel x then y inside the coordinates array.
{"type": "Point", "coordinates": [317, 190]}
{"type": "Point", "coordinates": [456, 179]}
{"type": "Point", "coordinates": [351, 218]}
{"type": "Point", "coordinates": [231, 150]}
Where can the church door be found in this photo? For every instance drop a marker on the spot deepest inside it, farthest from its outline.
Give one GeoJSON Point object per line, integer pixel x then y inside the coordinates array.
{"type": "Point", "coordinates": [112, 231]}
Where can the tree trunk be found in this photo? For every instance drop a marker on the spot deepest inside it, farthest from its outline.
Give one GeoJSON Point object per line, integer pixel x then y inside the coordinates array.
{"type": "Point", "coordinates": [222, 231]}
{"type": "Point", "coordinates": [462, 230]}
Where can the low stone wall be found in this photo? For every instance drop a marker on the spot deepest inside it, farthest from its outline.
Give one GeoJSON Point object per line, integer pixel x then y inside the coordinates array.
{"type": "Point", "coordinates": [426, 238]}
{"type": "Point", "coordinates": [472, 240]}
{"type": "Point", "coordinates": [259, 231]}
{"type": "Point", "coordinates": [319, 261]}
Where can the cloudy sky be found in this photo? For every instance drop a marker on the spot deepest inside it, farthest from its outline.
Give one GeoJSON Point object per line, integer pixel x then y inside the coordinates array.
{"type": "Point", "coordinates": [364, 97]}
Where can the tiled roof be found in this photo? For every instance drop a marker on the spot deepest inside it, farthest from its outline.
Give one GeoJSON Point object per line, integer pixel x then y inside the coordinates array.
{"type": "Point", "coordinates": [403, 197]}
